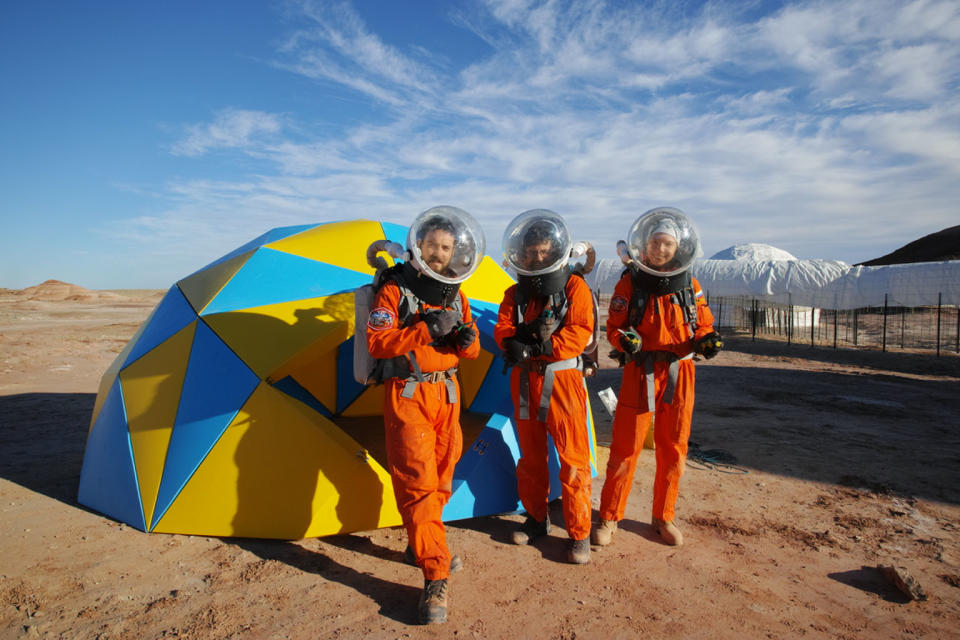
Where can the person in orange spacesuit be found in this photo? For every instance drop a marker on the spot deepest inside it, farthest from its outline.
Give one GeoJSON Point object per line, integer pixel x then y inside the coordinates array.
{"type": "Point", "coordinates": [544, 323]}
{"type": "Point", "coordinates": [658, 319]}
{"type": "Point", "coordinates": [419, 327]}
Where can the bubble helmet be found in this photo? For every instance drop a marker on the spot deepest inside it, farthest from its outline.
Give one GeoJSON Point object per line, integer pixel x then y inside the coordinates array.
{"type": "Point", "coordinates": [446, 244]}
{"type": "Point", "coordinates": [536, 242]}
{"type": "Point", "coordinates": [653, 236]}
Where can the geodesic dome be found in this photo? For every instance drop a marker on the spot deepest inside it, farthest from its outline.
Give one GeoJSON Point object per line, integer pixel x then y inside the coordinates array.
{"type": "Point", "coordinates": [233, 410]}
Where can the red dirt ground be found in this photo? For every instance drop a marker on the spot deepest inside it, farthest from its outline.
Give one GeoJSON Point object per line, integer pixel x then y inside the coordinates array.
{"type": "Point", "coordinates": [850, 460]}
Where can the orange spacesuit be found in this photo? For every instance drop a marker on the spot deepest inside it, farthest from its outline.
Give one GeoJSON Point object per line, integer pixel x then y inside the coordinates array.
{"type": "Point", "coordinates": [658, 383]}
{"type": "Point", "coordinates": [423, 435]}
{"type": "Point", "coordinates": [562, 413]}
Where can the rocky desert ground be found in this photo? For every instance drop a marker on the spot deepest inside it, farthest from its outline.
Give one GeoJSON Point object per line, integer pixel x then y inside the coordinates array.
{"type": "Point", "coordinates": [813, 469]}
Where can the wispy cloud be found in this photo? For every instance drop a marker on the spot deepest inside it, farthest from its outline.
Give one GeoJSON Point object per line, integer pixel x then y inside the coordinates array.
{"type": "Point", "coordinates": [821, 115]}
{"type": "Point", "coordinates": [231, 129]}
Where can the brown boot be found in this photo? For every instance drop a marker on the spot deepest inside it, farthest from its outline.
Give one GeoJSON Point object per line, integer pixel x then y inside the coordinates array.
{"type": "Point", "coordinates": [579, 551]}
{"type": "Point", "coordinates": [433, 602]}
{"type": "Point", "coordinates": [668, 532]}
{"type": "Point", "coordinates": [530, 530]}
{"type": "Point", "coordinates": [602, 535]}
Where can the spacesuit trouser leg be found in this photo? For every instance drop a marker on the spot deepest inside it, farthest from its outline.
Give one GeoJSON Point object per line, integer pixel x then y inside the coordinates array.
{"type": "Point", "coordinates": [631, 420]}
{"type": "Point", "coordinates": [671, 436]}
{"type": "Point", "coordinates": [533, 474]}
{"type": "Point", "coordinates": [424, 442]}
{"type": "Point", "coordinates": [567, 423]}
{"type": "Point", "coordinates": [629, 432]}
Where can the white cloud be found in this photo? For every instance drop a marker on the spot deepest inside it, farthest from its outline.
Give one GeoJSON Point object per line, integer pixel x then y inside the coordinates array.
{"type": "Point", "coordinates": [232, 128]}
{"type": "Point", "coordinates": [820, 116]}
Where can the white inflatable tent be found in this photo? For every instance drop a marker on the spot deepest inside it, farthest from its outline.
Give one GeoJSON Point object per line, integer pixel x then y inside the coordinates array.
{"type": "Point", "coordinates": [767, 273]}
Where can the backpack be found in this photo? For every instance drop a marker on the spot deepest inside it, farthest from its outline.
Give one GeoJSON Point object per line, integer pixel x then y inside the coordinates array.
{"type": "Point", "coordinates": [368, 370]}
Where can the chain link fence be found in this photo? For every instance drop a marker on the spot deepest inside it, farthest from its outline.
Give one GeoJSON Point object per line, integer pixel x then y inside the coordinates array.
{"type": "Point", "coordinates": [932, 329]}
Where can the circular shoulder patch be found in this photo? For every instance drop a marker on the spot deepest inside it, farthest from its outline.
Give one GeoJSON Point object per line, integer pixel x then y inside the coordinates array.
{"type": "Point", "coordinates": [381, 318]}
{"type": "Point", "coordinates": [618, 304]}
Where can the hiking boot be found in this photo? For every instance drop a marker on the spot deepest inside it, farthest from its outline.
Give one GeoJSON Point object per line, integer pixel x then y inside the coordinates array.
{"type": "Point", "coordinates": [530, 530]}
{"type": "Point", "coordinates": [579, 551]}
{"type": "Point", "coordinates": [410, 558]}
{"type": "Point", "coordinates": [668, 532]}
{"type": "Point", "coordinates": [602, 535]}
{"type": "Point", "coordinates": [433, 602]}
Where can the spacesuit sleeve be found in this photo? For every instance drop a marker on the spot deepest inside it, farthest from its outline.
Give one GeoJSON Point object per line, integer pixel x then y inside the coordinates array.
{"type": "Point", "coordinates": [618, 316]}
{"type": "Point", "coordinates": [385, 337]}
{"type": "Point", "coordinates": [704, 315]}
{"type": "Point", "coordinates": [506, 326]}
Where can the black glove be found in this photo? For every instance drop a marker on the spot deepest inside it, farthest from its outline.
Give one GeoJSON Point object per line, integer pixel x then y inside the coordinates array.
{"type": "Point", "coordinates": [709, 345]}
{"type": "Point", "coordinates": [463, 336]}
{"type": "Point", "coordinates": [525, 334]}
{"type": "Point", "coordinates": [630, 343]}
{"type": "Point", "coordinates": [440, 323]}
{"type": "Point", "coordinates": [515, 351]}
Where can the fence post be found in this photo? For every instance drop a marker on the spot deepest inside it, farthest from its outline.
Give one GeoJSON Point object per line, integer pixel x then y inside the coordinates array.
{"type": "Point", "coordinates": [813, 314]}
{"type": "Point", "coordinates": [836, 321]}
{"type": "Point", "coordinates": [884, 340]}
{"type": "Point", "coordinates": [939, 306]}
{"type": "Point", "coordinates": [753, 321]}
{"type": "Point", "coordinates": [903, 322]}
{"type": "Point", "coordinates": [789, 323]}
{"type": "Point", "coordinates": [855, 317]}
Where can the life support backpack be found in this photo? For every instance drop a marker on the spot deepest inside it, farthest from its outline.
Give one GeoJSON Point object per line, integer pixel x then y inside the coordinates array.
{"type": "Point", "coordinates": [555, 311]}
{"type": "Point", "coordinates": [369, 370]}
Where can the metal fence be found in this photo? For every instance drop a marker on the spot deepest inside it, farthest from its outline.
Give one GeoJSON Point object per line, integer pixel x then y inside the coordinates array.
{"type": "Point", "coordinates": [934, 328]}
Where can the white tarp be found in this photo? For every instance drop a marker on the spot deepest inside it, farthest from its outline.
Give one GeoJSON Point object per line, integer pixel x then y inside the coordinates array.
{"type": "Point", "coordinates": [827, 284]}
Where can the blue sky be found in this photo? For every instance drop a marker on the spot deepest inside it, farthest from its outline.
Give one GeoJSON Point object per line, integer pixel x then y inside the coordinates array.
{"type": "Point", "coordinates": [140, 141]}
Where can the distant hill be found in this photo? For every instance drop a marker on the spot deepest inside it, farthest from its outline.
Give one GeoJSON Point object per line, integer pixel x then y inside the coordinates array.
{"type": "Point", "coordinates": [942, 245]}
{"type": "Point", "coordinates": [55, 291]}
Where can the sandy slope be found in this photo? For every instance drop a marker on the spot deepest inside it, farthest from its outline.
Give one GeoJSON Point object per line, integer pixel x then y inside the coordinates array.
{"type": "Point", "coordinates": [853, 461]}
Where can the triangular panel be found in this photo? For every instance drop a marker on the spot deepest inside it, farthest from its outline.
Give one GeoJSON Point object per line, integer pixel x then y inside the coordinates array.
{"type": "Point", "coordinates": [110, 375]}
{"type": "Point", "coordinates": [271, 277]}
{"type": "Point", "coordinates": [341, 244]}
{"type": "Point", "coordinates": [472, 373]}
{"type": "Point", "coordinates": [485, 315]}
{"type": "Point", "coordinates": [488, 282]}
{"type": "Point", "coordinates": [277, 339]}
{"type": "Point", "coordinates": [282, 471]}
{"type": "Point", "coordinates": [293, 389]}
{"type": "Point", "coordinates": [172, 314]}
{"type": "Point", "coordinates": [200, 288]}
{"type": "Point", "coordinates": [216, 386]}
{"type": "Point", "coordinates": [108, 482]}
{"type": "Point", "coordinates": [485, 479]}
{"type": "Point", "coordinates": [368, 403]}
{"type": "Point", "coordinates": [318, 377]}
{"type": "Point", "coordinates": [259, 241]}
{"type": "Point", "coordinates": [151, 389]}
{"type": "Point", "coordinates": [348, 389]}
{"type": "Point", "coordinates": [494, 393]}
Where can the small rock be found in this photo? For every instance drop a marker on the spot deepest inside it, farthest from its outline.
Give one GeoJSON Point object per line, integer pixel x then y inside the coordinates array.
{"type": "Point", "coordinates": [903, 581]}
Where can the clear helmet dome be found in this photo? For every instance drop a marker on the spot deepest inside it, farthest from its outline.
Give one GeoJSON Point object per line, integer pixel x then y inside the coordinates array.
{"type": "Point", "coordinates": [536, 242]}
{"type": "Point", "coordinates": [446, 243]}
{"type": "Point", "coordinates": [663, 242]}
